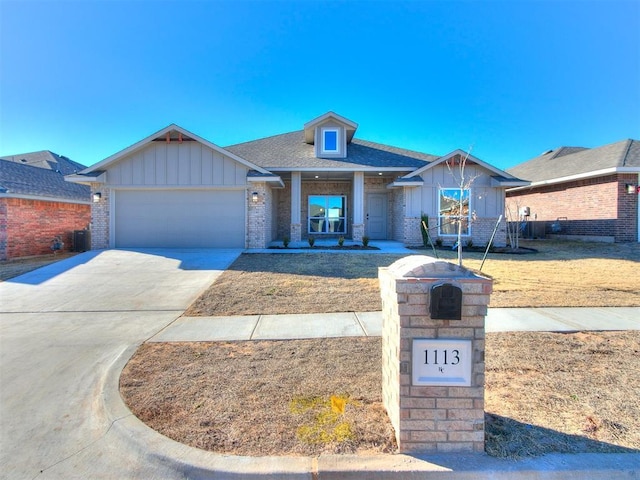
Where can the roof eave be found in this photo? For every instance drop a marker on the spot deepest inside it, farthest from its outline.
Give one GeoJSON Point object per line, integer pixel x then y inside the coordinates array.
{"type": "Point", "coordinates": [144, 142]}
{"type": "Point", "coordinates": [580, 176]}
{"type": "Point", "coordinates": [464, 154]}
{"type": "Point", "coordinates": [44, 198]}
{"type": "Point", "coordinates": [341, 169]}
{"type": "Point", "coordinates": [266, 178]}
{"type": "Point", "coordinates": [508, 183]}
{"type": "Point", "coordinates": [86, 179]}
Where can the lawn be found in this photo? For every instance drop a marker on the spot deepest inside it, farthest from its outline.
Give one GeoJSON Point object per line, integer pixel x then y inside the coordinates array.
{"type": "Point", "coordinates": [545, 392]}
{"type": "Point", "coordinates": [560, 274]}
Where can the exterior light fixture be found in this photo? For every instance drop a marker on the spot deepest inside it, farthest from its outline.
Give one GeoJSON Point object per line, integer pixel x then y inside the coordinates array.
{"type": "Point", "coordinates": [96, 197]}
{"type": "Point", "coordinates": [254, 197]}
{"type": "Point", "coordinates": [630, 188]}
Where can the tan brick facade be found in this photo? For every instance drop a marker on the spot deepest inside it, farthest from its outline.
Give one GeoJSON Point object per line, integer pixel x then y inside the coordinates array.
{"type": "Point", "coordinates": [433, 419]}
{"type": "Point", "coordinates": [100, 212]}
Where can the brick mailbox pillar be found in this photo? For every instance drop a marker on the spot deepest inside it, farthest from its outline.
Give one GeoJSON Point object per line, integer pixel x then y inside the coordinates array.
{"type": "Point", "coordinates": [433, 354]}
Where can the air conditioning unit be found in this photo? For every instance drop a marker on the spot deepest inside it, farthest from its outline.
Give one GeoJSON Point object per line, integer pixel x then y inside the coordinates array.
{"type": "Point", "coordinates": [524, 211]}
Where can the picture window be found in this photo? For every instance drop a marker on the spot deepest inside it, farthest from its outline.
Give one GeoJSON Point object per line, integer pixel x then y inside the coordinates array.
{"type": "Point", "coordinates": [327, 214]}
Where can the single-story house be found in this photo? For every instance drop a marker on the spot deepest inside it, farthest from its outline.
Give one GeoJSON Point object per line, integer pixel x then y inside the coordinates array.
{"type": "Point", "coordinates": [37, 204]}
{"type": "Point", "coordinates": [576, 192]}
{"type": "Point", "coordinates": [176, 189]}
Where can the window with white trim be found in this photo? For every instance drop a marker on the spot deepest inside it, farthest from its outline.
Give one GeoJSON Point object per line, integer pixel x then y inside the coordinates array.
{"type": "Point", "coordinates": [327, 214]}
{"type": "Point", "coordinates": [453, 208]}
{"type": "Point", "coordinates": [330, 140]}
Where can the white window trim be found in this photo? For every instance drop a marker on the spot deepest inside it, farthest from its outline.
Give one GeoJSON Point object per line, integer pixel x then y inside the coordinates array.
{"type": "Point", "coordinates": [322, 132]}
{"type": "Point", "coordinates": [343, 217]}
{"type": "Point", "coordinates": [449, 235]}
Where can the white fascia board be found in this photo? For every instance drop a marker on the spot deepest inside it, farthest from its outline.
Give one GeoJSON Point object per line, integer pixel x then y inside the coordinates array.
{"type": "Point", "coordinates": [86, 179]}
{"type": "Point", "coordinates": [335, 116]}
{"type": "Point", "coordinates": [309, 127]}
{"type": "Point", "coordinates": [45, 199]}
{"type": "Point", "coordinates": [271, 179]}
{"type": "Point", "coordinates": [508, 183]}
{"type": "Point", "coordinates": [405, 184]}
{"type": "Point", "coordinates": [464, 154]}
{"type": "Point", "coordinates": [579, 176]}
{"type": "Point", "coordinates": [144, 142]}
{"type": "Point", "coordinates": [345, 169]}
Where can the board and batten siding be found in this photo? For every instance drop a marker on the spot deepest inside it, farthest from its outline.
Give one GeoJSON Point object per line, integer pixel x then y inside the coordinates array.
{"type": "Point", "coordinates": [187, 164]}
{"type": "Point", "coordinates": [486, 201]}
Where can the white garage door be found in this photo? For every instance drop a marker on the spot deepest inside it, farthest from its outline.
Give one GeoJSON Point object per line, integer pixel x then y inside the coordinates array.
{"type": "Point", "coordinates": [179, 218]}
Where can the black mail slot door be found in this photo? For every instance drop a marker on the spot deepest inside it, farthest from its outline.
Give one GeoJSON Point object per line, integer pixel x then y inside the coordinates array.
{"type": "Point", "coordinates": [446, 302]}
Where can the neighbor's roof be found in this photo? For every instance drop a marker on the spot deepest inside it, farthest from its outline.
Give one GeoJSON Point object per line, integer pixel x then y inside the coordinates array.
{"type": "Point", "coordinates": [40, 178]}
{"type": "Point", "coordinates": [289, 151]}
{"type": "Point", "coordinates": [579, 161]}
{"type": "Point", "coordinates": [47, 160]}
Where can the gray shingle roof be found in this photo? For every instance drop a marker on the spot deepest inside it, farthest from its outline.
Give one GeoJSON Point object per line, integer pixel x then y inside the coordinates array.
{"type": "Point", "coordinates": [569, 161]}
{"type": "Point", "coordinates": [47, 160]}
{"type": "Point", "coordinates": [289, 151]}
{"type": "Point", "coordinates": [42, 175]}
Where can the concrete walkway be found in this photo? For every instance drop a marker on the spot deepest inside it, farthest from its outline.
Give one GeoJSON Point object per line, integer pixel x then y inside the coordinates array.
{"type": "Point", "coordinates": [281, 327]}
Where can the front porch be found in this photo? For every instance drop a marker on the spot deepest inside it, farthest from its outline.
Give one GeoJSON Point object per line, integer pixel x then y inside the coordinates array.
{"type": "Point", "coordinates": [329, 205]}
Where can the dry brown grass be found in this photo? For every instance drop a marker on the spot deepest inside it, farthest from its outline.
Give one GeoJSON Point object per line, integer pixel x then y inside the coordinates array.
{"type": "Point", "coordinates": [263, 398]}
{"type": "Point", "coordinates": [545, 392]}
{"type": "Point", "coordinates": [295, 283]}
{"type": "Point", "coordinates": [557, 392]}
{"type": "Point", "coordinates": [13, 268]}
{"type": "Point", "coordinates": [561, 274]}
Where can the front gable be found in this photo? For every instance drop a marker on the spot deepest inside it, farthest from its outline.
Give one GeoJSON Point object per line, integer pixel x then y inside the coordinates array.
{"type": "Point", "coordinates": [172, 157]}
{"type": "Point", "coordinates": [330, 133]}
{"type": "Point", "coordinates": [175, 163]}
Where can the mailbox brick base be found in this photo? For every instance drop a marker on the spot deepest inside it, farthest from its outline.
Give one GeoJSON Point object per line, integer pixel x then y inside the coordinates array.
{"type": "Point", "coordinates": [432, 419]}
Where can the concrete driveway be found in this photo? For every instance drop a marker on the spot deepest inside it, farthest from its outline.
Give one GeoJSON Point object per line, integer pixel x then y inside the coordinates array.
{"type": "Point", "coordinates": [61, 329]}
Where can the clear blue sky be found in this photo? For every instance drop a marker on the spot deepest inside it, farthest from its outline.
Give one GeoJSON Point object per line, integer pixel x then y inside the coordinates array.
{"type": "Point", "coordinates": [86, 79]}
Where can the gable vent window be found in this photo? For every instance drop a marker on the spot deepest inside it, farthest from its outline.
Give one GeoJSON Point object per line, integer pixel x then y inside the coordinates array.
{"type": "Point", "coordinates": [330, 140]}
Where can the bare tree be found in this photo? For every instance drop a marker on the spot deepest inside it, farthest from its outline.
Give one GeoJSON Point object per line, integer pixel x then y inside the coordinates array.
{"type": "Point", "coordinates": [461, 213]}
{"type": "Point", "coordinates": [513, 224]}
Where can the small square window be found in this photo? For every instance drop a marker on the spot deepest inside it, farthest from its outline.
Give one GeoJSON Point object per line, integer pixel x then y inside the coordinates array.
{"type": "Point", "coordinates": [330, 141]}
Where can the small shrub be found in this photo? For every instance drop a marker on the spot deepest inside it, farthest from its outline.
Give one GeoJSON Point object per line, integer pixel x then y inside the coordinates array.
{"type": "Point", "coordinates": [340, 240]}
{"type": "Point", "coordinates": [365, 241]}
{"type": "Point", "coordinates": [285, 242]}
{"type": "Point", "coordinates": [469, 243]}
{"type": "Point", "coordinates": [311, 241]}
{"type": "Point", "coordinates": [438, 242]}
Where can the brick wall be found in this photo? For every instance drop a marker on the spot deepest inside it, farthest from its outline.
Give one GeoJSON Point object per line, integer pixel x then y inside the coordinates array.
{"type": "Point", "coordinates": [27, 227]}
{"type": "Point", "coordinates": [259, 225]}
{"type": "Point", "coordinates": [432, 419]}
{"type": "Point", "coordinates": [590, 207]}
{"type": "Point", "coordinates": [100, 217]}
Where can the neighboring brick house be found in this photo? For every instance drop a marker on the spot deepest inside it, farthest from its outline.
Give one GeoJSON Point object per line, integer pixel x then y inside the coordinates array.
{"type": "Point", "coordinates": [37, 204]}
{"type": "Point", "coordinates": [175, 189]}
{"type": "Point", "coordinates": [589, 193]}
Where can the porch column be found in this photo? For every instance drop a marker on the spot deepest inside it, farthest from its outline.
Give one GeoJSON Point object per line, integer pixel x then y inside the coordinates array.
{"type": "Point", "coordinates": [357, 229]}
{"type": "Point", "coordinates": [296, 189]}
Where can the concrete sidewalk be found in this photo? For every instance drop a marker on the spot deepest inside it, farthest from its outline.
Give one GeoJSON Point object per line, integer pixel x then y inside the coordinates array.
{"type": "Point", "coordinates": [282, 327]}
{"type": "Point", "coordinates": [194, 463]}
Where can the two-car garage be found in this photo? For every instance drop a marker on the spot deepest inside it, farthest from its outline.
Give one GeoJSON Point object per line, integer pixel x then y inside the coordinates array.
{"type": "Point", "coordinates": [207, 218]}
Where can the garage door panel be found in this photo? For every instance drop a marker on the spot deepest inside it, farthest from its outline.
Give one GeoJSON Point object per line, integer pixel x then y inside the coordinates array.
{"type": "Point", "coordinates": [180, 218]}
